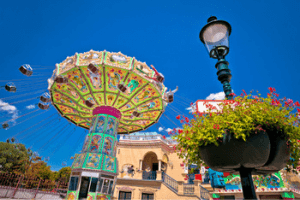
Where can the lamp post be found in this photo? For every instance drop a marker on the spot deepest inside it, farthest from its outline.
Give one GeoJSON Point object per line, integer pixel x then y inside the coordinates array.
{"type": "Point", "coordinates": [215, 36]}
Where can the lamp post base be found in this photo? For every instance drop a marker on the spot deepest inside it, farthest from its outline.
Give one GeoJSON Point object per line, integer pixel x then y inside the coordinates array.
{"type": "Point", "coordinates": [247, 184]}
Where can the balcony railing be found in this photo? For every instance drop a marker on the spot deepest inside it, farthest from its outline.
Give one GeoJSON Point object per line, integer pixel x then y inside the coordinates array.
{"type": "Point", "coordinates": [204, 193]}
{"type": "Point", "coordinates": [149, 175]}
{"type": "Point", "coordinates": [170, 182]}
{"type": "Point", "coordinates": [148, 137]}
{"type": "Point", "coordinates": [188, 189]}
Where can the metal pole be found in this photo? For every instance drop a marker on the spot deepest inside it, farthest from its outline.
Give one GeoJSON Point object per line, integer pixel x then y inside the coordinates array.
{"type": "Point", "coordinates": [224, 76]}
{"type": "Point", "coordinates": [37, 189]}
{"type": "Point", "coordinates": [57, 186]}
{"type": "Point", "coordinates": [247, 184]}
{"type": "Point", "coordinates": [17, 186]}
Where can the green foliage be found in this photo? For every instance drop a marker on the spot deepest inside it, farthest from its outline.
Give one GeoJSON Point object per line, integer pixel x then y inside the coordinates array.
{"type": "Point", "coordinates": [64, 173]}
{"type": "Point", "coordinates": [246, 116]}
{"type": "Point", "coordinates": [40, 170]}
{"type": "Point", "coordinates": [13, 157]}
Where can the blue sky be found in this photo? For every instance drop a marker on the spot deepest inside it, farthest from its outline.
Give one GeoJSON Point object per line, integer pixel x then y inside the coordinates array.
{"type": "Point", "coordinates": [263, 53]}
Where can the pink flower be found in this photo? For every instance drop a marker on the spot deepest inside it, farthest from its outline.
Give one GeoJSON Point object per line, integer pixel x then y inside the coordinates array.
{"type": "Point", "coordinates": [290, 101]}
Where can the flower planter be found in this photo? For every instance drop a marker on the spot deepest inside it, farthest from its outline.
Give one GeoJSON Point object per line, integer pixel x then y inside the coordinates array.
{"type": "Point", "coordinates": [262, 153]}
{"type": "Point", "coordinates": [279, 155]}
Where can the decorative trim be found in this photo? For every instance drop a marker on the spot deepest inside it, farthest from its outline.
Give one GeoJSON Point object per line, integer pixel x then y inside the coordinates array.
{"type": "Point", "coordinates": [147, 190]}
{"type": "Point", "coordinates": [153, 143]}
{"type": "Point", "coordinates": [125, 189]}
{"type": "Point", "coordinates": [257, 190]}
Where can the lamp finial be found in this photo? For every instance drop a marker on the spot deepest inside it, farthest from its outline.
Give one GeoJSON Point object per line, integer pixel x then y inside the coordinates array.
{"type": "Point", "coordinates": [211, 18]}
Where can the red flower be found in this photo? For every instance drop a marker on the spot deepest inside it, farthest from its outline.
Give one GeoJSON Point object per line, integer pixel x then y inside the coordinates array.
{"type": "Point", "coordinates": [244, 92]}
{"type": "Point", "coordinates": [216, 126]}
{"type": "Point", "coordinates": [232, 94]}
{"type": "Point", "coordinates": [178, 117]}
{"type": "Point", "coordinates": [297, 104]}
{"type": "Point", "coordinates": [181, 121]}
{"type": "Point", "coordinates": [180, 131]}
{"type": "Point", "coordinates": [298, 110]}
{"type": "Point", "coordinates": [187, 120]}
{"type": "Point", "coordinates": [272, 89]}
{"type": "Point", "coordinates": [241, 94]}
{"type": "Point", "coordinates": [164, 137]}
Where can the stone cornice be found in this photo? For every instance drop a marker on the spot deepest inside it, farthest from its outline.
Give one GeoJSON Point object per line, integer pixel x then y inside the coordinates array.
{"type": "Point", "coordinates": [144, 144]}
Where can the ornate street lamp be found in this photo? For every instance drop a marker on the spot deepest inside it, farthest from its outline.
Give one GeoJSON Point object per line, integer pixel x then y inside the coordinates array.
{"type": "Point", "coordinates": [215, 36]}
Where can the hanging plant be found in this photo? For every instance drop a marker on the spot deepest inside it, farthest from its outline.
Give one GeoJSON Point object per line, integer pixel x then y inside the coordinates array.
{"type": "Point", "coordinates": [248, 115]}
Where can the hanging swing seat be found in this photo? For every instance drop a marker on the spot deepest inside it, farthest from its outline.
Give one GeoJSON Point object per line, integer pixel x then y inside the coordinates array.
{"type": "Point", "coordinates": [136, 114]}
{"type": "Point", "coordinates": [43, 106]}
{"type": "Point", "coordinates": [122, 88]}
{"type": "Point", "coordinates": [45, 99]}
{"type": "Point", "coordinates": [26, 70]}
{"type": "Point", "coordinates": [61, 79]}
{"type": "Point", "coordinates": [160, 78]}
{"type": "Point", "coordinates": [5, 125]}
{"type": "Point", "coordinates": [89, 103]}
{"type": "Point", "coordinates": [10, 87]}
{"type": "Point", "coordinates": [170, 99]}
{"type": "Point", "coordinates": [93, 68]}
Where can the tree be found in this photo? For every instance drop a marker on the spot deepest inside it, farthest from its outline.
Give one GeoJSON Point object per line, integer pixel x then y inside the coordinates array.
{"type": "Point", "coordinates": [64, 174]}
{"type": "Point", "coordinates": [13, 157]}
{"type": "Point", "coordinates": [39, 169]}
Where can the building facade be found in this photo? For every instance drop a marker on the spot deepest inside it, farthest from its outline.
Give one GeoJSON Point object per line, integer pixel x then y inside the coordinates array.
{"type": "Point", "coordinates": [149, 168]}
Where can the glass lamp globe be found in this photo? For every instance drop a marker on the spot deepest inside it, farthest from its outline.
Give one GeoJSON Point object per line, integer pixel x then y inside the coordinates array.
{"type": "Point", "coordinates": [215, 36]}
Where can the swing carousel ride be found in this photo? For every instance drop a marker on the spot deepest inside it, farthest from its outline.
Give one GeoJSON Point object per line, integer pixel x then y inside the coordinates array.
{"type": "Point", "coordinates": [107, 94]}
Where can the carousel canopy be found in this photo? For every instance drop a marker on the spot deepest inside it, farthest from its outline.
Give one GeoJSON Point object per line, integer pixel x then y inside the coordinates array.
{"type": "Point", "coordinates": [88, 80]}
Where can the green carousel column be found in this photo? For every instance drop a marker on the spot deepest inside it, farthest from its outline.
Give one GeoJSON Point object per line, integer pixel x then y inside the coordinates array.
{"type": "Point", "coordinates": [94, 170]}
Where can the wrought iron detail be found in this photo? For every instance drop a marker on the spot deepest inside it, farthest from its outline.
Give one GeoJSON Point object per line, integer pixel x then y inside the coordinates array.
{"type": "Point", "coordinates": [204, 193]}
{"type": "Point", "coordinates": [170, 182]}
{"type": "Point", "coordinates": [188, 189]}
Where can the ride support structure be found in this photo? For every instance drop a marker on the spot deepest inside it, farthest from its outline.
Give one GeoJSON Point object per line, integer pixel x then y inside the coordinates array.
{"type": "Point", "coordinates": [94, 170]}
